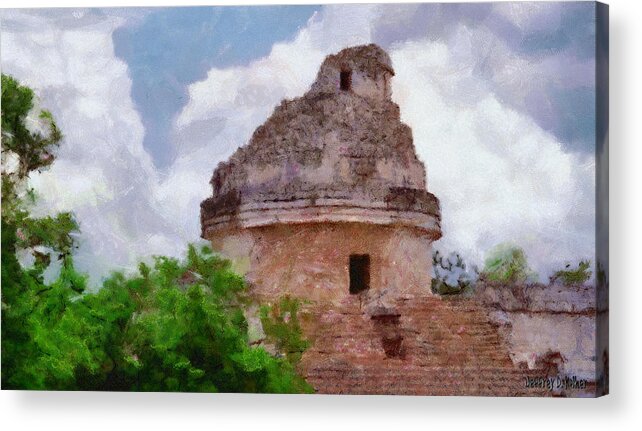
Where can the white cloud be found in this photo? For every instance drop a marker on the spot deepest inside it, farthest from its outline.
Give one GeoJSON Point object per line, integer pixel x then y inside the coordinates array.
{"type": "Point", "coordinates": [102, 172]}
{"type": "Point", "coordinates": [498, 175]}
{"type": "Point", "coordinates": [531, 16]}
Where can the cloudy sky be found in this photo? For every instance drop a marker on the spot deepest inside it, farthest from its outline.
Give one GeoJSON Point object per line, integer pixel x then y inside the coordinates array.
{"type": "Point", "coordinates": [500, 97]}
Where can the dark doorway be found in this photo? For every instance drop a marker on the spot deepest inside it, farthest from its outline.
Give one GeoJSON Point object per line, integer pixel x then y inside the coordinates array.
{"type": "Point", "coordinates": [346, 80]}
{"type": "Point", "coordinates": [359, 273]}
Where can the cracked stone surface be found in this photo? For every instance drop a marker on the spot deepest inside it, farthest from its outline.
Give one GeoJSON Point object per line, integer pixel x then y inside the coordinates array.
{"type": "Point", "coordinates": [345, 153]}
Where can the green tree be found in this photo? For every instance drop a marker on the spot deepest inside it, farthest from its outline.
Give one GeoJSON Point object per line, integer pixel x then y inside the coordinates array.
{"type": "Point", "coordinates": [28, 147]}
{"type": "Point", "coordinates": [175, 326]}
{"type": "Point", "coordinates": [33, 138]}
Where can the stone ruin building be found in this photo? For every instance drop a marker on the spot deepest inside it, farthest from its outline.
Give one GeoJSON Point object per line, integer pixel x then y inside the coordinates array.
{"type": "Point", "coordinates": [329, 203]}
{"type": "Point", "coordinates": [328, 198]}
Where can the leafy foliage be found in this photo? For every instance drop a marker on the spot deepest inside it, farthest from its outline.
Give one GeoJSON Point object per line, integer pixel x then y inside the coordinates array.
{"type": "Point", "coordinates": [282, 327]}
{"type": "Point", "coordinates": [175, 326]}
{"type": "Point", "coordinates": [187, 332]}
{"type": "Point", "coordinates": [507, 264]}
{"type": "Point", "coordinates": [451, 275]}
{"type": "Point", "coordinates": [28, 147]}
{"type": "Point", "coordinates": [28, 304]}
{"type": "Point", "coordinates": [33, 143]}
{"type": "Point", "coordinates": [570, 277]}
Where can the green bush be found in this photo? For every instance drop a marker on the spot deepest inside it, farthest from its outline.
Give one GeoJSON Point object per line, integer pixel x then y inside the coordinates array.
{"type": "Point", "coordinates": [507, 263]}
{"type": "Point", "coordinates": [450, 275]}
{"type": "Point", "coordinates": [282, 328]}
{"type": "Point", "coordinates": [570, 277]}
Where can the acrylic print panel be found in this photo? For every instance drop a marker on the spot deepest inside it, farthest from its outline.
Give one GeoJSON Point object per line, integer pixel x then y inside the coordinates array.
{"type": "Point", "coordinates": [399, 199]}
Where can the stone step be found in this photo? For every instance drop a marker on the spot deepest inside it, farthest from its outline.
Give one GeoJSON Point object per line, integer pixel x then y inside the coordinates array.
{"type": "Point", "coordinates": [449, 347]}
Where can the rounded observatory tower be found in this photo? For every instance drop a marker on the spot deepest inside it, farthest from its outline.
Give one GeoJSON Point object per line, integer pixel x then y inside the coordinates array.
{"type": "Point", "coordinates": [328, 199]}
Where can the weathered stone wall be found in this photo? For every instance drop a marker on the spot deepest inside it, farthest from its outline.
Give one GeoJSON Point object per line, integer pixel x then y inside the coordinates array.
{"type": "Point", "coordinates": [412, 345]}
{"type": "Point", "coordinates": [370, 67]}
{"type": "Point", "coordinates": [329, 148]}
{"type": "Point", "coordinates": [532, 336]}
{"type": "Point", "coordinates": [311, 261]}
{"type": "Point", "coordinates": [539, 320]}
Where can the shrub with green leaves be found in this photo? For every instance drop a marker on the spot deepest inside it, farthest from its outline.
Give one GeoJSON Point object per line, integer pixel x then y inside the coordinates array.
{"type": "Point", "coordinates": [176, 326]}
{"type": "Point", "coordinates": [570, 277]}
{"type": "Point", "coordinates": [282, 328]}
{"type": "Point", "coordinates": [507, 263]}
{"type": "Point", "coordinates": [188, 332]}
{"type": "Point", "coordinates": [450, 274]}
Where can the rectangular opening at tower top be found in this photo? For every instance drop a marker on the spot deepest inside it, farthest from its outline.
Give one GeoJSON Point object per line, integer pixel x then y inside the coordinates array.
{"type": "Point", "coordinates": [346, 80]}
{"type": "Point", "coordinates": [359, 272]}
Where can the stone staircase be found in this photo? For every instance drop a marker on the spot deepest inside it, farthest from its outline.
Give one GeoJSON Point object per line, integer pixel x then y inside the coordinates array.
{"type": "Point", "coordinates": [410, 346]}
{"type": "Point", "coordinates": [395, 379]}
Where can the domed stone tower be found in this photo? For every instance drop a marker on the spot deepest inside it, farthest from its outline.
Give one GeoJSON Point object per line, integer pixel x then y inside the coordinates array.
{"type": "Point", "coordinates": [328, 199]}
{"type": "Point", "coordinates": [328, 203]}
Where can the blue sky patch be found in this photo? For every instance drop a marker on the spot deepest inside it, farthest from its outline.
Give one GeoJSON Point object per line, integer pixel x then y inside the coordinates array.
{"type": "Point", "coordinates": [174, 47]}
